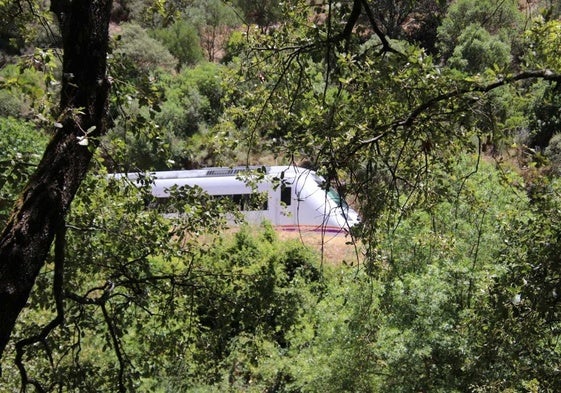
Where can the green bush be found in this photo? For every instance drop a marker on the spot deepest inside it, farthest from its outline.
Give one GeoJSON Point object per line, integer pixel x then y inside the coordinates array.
{"type": "Point", "coordinates": [24, 91]}
{"type": "Point", "coordinates": [182, 41]}
{"type": "Point", "coordinates": [143, 53]}
{"type": "Point", "coordinates": [553, 153]}
{"type": "Point", "coordinates": [420, 322]}
{"type": "Point", "coordinates": [12, 104]}
{"type": "Point", "coordinates": [193, 100]}
{"type": "Point", "coordinates": [182, 114]}
{"type": "Point", "coordinates": [477, 50]}
{"type": "Point", "coordinates": [21, 147]}
{"type": "Point", "coordinates": [520, 349]}
{"type": "Point", "coordinates": [545, 115]}
{"type": "Point", "coordinates": [499, 18]}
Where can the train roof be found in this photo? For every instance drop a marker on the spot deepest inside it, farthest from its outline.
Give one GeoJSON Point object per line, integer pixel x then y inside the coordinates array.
{"type": "Point", "coordinates": [288, 170]}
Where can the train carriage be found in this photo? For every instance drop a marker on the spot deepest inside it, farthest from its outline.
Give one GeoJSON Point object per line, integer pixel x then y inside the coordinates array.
{"type": "Point", "coordinates": [290, 197]}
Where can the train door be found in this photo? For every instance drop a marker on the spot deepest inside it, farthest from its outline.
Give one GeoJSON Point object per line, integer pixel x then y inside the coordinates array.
{"type": "Point", "coordinates": [283, 212]}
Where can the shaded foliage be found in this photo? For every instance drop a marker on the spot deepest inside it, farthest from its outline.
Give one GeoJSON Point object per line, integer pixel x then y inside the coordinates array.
{"type": "Point", "coordinates": [143, 53]}
{"type": "Point", "coordinates": [457, 282]}
{"type": "Point", "coordinates": [182, 41]}
{"type": "Point", "coordinates": [499, 18]}
{"type": "Point", "coordinates": [21, 146]}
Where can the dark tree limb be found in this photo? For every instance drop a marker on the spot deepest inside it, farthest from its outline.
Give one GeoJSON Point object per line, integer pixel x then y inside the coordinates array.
{"type": "Point", "coordinates": [116, 347]}
{"type": "Point", "coordinates": [386, 47]}
{"type": "Point", "coordinates": [533, 74]}
{"type": "Point", "coordinates": [547, 75]}
{"type": "Point", "coordinates": [352, 20]}
{"type": "Point", "coordinates": [58, 282]}
{"type": "Point", "coordinates": [40, 210]}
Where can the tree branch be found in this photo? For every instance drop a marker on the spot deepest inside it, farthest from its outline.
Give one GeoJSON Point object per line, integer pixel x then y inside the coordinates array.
{"type": "Point", "coordinates": [116, 346]}
{"type": "Point", "coordinates": [358, 6]}
{"type": "Point", "coordinates": [58, 282]}
{"type": "Point", "coordinates": [386, 47]}
{"type": "Point", "coordinates": [533, 74]}
{"type": "Point", "coordinates": [27, 237]}
{"type": "Point", "coordinates": [351, 22]}
{"type": "Point", "coordinates": [547, 75]}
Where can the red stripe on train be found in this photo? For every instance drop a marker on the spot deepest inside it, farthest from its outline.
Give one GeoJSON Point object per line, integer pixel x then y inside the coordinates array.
{"type": "Point", "coordinates": [311, 228]}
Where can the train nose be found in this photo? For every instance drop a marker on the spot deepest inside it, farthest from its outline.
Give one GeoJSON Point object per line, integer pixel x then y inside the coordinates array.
{"type": "Point", "coordinates": [353, 219]}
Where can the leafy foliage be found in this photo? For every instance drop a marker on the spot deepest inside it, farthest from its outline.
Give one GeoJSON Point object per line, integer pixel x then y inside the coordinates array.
{"type": "Point", "coordinates": [135, 46]}
{"type": "Point", "coordinates": [193, 99]}
{"type": "Point", "coordinates": [543, 39]}
{"type": "Point", "coordinates": [149, 307]}
{"type": "Point", "coordinates": [182, 41]}
{"type": "Point", "coordinates": [553, 153]}
{"type": "Point", "coordinates": [21, 146]}
{"type": "Point", "coordinates": [456, 287]}
{"type": "Point", "coordinates": [500, 18]}
{"type": "Point", "coordinates": [442, 265]}
{"type": "Point", "coordinates": [22, 25]}
{"type": "Point", "coordinates": [477, 51]}
{"type": "Point", "coordinates": [29, 86]}
{"type": "Point", "coordinates": [159, 113]}
{"type": "Point", "coordinates": [525, 313]}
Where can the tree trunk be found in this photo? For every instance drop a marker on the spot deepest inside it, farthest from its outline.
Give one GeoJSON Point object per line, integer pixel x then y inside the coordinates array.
{"type": "Point", "coordinates": [26, 240]}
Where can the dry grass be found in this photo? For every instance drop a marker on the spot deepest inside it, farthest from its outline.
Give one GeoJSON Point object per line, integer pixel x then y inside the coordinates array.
{"type": "Point", "coordinates": [333, 248]}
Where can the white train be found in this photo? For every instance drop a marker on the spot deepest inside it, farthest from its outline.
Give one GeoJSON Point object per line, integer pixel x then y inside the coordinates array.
{"type": "Point", "coordinates": [290, 197]}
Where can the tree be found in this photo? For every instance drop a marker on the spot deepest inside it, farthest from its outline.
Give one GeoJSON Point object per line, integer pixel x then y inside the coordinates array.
{"type": "Point", "coordinates": [183, 42]}
{"type": "Point", "coordinates": [477, 50]}
{"type": "Point", "coordinates": [497, 17]}
{"type": "Point", "coordinates": [214, 19]}
{"type": "Point", "coordinates": [378, 113]}
{"type": "Point", "coordinates": [262, 13]}
{"type": "Point", "coordinates": [38, 216]}
{"type": "Point", "coordinates": [410, 19]}
{"type": "Point", "coordinates": [141, 52]}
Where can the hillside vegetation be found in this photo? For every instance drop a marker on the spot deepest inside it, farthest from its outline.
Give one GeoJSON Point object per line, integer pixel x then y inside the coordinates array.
{"type": "Point", "coordinates": [438, 120]}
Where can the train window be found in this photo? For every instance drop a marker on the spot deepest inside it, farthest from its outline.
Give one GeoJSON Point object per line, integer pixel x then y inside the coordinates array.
{"type": "Point", "coordinates": [286, 195]}
{"type": "Point", "coordinates": [335, 197]}
{"type": "Point", "coordinates": [248, 202]}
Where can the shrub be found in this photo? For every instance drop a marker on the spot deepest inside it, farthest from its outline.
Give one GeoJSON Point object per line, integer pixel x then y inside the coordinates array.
{"type": "Point", "coordinates": [478, 50]}
{"type": "Point", "coordinates": [496, 17]}
{"type": "Point", "coordinates": [553, 153]}
{"type": "Point", "coordinates": [23, 90]}
{"type": "Point", "coordinates": [21, 146]}
{"type": "Point", "coordinates": [142, 51]}
{"type": "Point", "coordinates": [182, 41]}
{"type": "Point", "coordinates": [193, 100]}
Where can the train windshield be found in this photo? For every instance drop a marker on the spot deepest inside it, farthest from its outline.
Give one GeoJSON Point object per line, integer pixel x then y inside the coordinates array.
{"type": "Point", "coordinates": [335, 197]}
{"type": "Point", "coordinates": [331, 193]}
